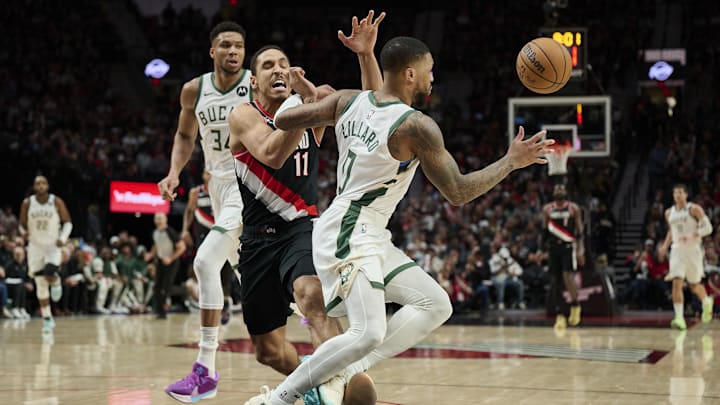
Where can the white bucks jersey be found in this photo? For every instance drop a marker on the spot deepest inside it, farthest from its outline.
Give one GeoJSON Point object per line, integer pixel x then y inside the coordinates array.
{"type": "Point", "coordinates": [43, 221]}
{"type": "Point", "coordinates": [212, 110]}
{"type": "Point", "coordinates": [682, 225]}
{"type": "Point", "coordinates": [367, 174]}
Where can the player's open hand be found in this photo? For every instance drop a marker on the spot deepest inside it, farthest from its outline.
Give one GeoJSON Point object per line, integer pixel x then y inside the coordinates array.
{"type": "Point", "coordinates": [523, 153]}
{"type": "Point", "coordinates": [167, 187]}
{"type": "Point", "coordinates": [364, 33]}
{"type": "Point", "coordinates": [302, 86]}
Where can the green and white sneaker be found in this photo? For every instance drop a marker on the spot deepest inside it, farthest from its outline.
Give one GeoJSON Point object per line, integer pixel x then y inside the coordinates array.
{"type": "Point", "coordinates": [707, 311]}
{"type": "Point", "coordinates": [678, 323]}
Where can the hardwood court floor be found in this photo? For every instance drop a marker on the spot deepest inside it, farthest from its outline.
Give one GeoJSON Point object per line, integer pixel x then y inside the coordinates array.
{"type": "Point", "coordinates": [127, 360]}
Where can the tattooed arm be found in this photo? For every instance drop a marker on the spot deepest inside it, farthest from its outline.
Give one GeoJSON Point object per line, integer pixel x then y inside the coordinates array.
{"type": "Point", "coordinates": [320, 113]}
{"type": "Point", "coordinates": [425, 140]}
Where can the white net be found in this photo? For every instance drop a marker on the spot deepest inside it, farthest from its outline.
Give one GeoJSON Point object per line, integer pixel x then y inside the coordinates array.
{"type": "Point", "coordinates": [557, 160]}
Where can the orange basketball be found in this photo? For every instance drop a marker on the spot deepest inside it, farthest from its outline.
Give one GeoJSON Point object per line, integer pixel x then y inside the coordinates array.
{"type": "Point", "coordinates": [543, 65]}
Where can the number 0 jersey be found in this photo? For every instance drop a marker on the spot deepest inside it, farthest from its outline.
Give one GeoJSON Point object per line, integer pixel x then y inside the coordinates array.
{"type": "Point", "coordinates": [212, 110]}
{"type": "Point", "coordinates": [279, 195]}
{"type": "Point", "coordinates": [43, 221]}
{"type": "Point", "coordinates": [367, 174]}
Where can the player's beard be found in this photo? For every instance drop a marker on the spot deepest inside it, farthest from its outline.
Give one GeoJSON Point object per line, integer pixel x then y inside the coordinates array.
{"type": "Point", "coordinates": [420, 100]}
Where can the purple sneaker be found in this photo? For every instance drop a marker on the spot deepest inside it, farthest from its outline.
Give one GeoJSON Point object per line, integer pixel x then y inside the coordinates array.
{"type": "Point", "coordinates": [196, 386]}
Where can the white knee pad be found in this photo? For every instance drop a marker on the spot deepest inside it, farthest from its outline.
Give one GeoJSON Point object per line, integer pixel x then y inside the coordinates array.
{"type": "Point", "coordinates": [42, 288]}
{"type": "Point", "coordinates": [209, 260]}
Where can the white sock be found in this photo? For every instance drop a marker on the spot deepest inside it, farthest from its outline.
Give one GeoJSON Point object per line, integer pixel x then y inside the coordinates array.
{"type": "Point", "coordinates": [288, 397]}
{"type": "Point", "coordinates": [678, 306]}
{"type": "Point", "coordinates": [46, 312]}
{"type": "Point", "coordinates": [208, 347]}
{"type": "Point", "coordinates": [708, 300]}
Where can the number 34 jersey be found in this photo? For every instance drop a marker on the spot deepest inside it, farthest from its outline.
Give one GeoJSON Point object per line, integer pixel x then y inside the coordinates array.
{"type": "Point", "coordinates": [212, 110]}
{"type": "Point", "coordinates": [279, 195]}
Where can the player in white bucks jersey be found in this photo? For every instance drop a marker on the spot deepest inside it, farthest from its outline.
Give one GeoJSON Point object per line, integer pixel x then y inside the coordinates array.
{"type": "Point", "coordinates": [382, 141]}
{"type": "Point", "coordinates": [277, 173]}
{"type": "Point", "coordinates": [687, 225]}
{"type": "Point", "coordinates": [45, 221]}
{"type": "Point", "coordinates": [206, 103]}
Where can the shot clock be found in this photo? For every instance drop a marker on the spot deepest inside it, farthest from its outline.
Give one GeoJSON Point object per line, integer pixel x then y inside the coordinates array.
{"type": "Point", "coordinates": [575, 40]}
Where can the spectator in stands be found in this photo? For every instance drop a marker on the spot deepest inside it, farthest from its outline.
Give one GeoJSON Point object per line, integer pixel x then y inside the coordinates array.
{"type": "Point", "coordinates": [641, 261]}
{"type": "Point", "coordinates": [506, 272]}
{"type": "Point", "coordinates": [712, 287]}
{"type": "Point", "coordinates": [18, 283]}
{"type": "Point", "coordinates": [8, 221]}
{"type": "Point", "coordinates": [143, 280]}
{"type": "Point", "coordinates": [76, 274]}
{"type": "Point", "coordinates": [603, 231]}
{"type": "Point", "coordinates": [104, 272]}
{"type": "Point", "coordinates": [477, 274]}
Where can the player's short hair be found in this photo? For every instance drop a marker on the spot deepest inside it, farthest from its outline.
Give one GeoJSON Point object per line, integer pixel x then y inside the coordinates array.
{"type": "Point", "coordinates": [253, 60]}
{"type": "Point", "coordinates": [682, 186]}
{"type": "Point", "coordinates": [399, 52]}
{"type": "Point", "coordinates": [226, 26]}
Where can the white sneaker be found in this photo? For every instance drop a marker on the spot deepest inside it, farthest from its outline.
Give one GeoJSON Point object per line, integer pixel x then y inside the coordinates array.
{"type": "Point", "coordinates": [332, 391]}
{"type": "Point", "coordinates": [262, 399]}
{"type": "Point", "coordinates": [16, 314]}
{"type": "Point", "coordinates": [522, 305]}
{"type": "Point", "coordinates": [7, 313]}
{"type": "Point", "coordinates": [501, 306]}
{"type": "Point", "coordinates": [24, 314]}
{"type": "Point", "coordinates": [48, 325]}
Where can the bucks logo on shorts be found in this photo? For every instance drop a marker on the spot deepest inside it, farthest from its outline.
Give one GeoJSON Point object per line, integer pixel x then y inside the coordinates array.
{"type": "Point", "coordinates": [345, 273]}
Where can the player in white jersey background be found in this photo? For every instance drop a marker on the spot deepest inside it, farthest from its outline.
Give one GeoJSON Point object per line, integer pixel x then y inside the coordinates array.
{"type": "Point", "coordinates": [45, 223]}
{"type": "Point", "coordinates": [206, 102]}
{"type": "Point", "coordinates": [382, 141]}
{"type": "Point", "coordinates": [687, 225]}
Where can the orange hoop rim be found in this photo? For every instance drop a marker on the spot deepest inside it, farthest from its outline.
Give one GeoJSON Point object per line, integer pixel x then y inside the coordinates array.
{"type": "Point", "coordinates": [561, 148]}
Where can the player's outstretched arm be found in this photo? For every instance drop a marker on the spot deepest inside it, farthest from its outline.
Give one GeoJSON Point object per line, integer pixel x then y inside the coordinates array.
{"type": "Point", "coordinates": [362, 41]}
{"type": "Point", "coordinates": [426, 142]}
{"type": "Point", "coordinates": [321, 113]}
{"type": "Point", "coordinates": [184, 141]}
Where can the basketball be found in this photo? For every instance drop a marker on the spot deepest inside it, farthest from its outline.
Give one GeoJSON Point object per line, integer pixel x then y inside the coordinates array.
{"type": "Point", "coordinates": [543, 65]}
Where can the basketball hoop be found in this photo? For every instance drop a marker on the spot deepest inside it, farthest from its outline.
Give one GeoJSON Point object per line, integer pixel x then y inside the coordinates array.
{"type": "Point", "coordinates": [557, 159]}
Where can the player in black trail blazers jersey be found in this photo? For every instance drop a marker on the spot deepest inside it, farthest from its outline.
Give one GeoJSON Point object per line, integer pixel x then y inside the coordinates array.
{"type": "Point", "coordinates": [277, 175]}
{"type": "Point", "coordinates": [564, 230]}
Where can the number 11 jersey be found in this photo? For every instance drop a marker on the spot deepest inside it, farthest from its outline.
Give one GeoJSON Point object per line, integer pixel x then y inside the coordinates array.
{"type": "Point", "coordinates": [274, 196]}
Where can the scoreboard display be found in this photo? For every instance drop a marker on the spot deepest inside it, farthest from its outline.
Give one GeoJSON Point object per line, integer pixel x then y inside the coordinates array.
{"type": "Point", "coordinates": [575, 40]}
